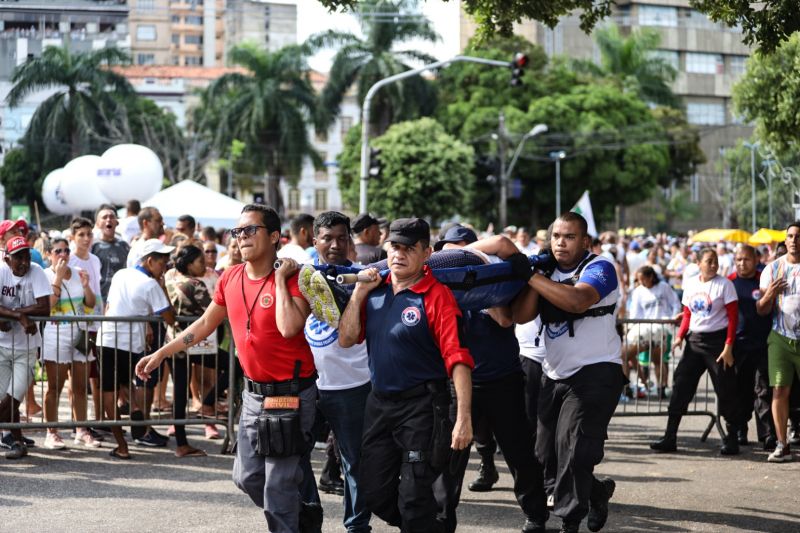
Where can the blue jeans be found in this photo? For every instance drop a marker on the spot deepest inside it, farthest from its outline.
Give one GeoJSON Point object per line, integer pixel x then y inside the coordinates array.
{"type": "Point", "coordinates": [344, 410]}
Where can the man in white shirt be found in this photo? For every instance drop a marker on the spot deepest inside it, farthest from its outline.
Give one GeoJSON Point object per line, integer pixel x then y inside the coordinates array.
{"type": "Point", "coordinates": [151, 224]}
{"type": "Point", "coordinates": [129, 226]}
{"type": "Point", "coordinates": [300, 229]}
{"type": "Point", "coordinates": [524, 242]}
{"type": "Point", "coordinates": [583, 375]}
{"type": "Point", "coordinates": [25, 292]}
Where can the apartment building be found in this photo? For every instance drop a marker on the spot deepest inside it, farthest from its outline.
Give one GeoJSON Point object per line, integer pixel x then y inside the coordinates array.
{"type": "Point", "coordinates": [258, 21]}
{"type": "Point", "coordinates": [709, 58]}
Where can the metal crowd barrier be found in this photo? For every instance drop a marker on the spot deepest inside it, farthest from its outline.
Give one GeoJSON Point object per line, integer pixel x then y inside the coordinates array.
{"type": "Point", "coordinates": [646, 355]}
{"type": "Point", "coordinates": [33, 360]}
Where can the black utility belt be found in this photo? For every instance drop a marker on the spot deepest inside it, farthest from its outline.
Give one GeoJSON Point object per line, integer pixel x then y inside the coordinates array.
{"type": "Point", "coordinates": [429, 387]}
{"type": "Point", "coordinates": [278, 388]}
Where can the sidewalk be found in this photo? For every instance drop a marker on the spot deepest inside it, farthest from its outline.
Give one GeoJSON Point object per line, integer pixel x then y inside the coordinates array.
{"type": "Point", "coordinates": [694, 490]}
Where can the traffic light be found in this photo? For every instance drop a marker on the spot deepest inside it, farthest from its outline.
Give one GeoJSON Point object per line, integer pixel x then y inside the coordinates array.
{"type": "Point", "coordinates": [517, 66]}
{"type": "Point", "coordinates": [375, 164]}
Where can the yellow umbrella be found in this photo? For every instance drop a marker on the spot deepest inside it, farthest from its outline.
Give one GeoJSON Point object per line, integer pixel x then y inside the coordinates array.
{"type": "Point", "coordinates": [717, 235]}
{"type": "Point", "coordinates": [767, 236]}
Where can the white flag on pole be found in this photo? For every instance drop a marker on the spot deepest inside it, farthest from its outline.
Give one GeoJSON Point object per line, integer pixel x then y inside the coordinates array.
{"type": "Point", "coordinates": [584, 208]}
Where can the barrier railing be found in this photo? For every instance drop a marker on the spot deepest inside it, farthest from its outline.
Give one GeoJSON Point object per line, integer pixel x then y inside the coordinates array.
{"type": "Point", "coordinates": [37, 375]}
{"type": "Point", "coordinates": [649, 363]}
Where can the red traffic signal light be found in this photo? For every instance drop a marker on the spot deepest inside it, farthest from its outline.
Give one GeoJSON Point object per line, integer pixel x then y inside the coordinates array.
{"type": "Point", "coordinates": [520, 60]}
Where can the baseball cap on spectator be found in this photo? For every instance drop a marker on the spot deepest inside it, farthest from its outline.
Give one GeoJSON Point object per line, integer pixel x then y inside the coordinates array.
{"type": "Point", "coordinates": [456, 234]}
{"type": "Point", "coordinates": [635, 245]}
{"type": "Point", "coordinates": [363, 221]}
{"type": "Point", "coordinates": [16, 244]}
{"type": "Point", "coordinates": [409, 231]}
{"type": "Point", "coordinates": [7, 225]}
{"type": "Point", "coordinates": [155, 246]}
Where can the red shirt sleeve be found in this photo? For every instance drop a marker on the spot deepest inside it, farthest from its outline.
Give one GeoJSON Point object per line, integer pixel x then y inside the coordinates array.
{"type": "Point", "coordinates": [443, 315]}
{"type": "Point", "coordinates": [219, 292]}
{"type": "Point", "coordinates": [732, 309]}
{"type": "Point", "coordinates": [684, 327]}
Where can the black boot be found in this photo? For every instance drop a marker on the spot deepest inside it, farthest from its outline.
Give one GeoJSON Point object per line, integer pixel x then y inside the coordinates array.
{"type": "Point", "coordinates": [741, 436]}
{"type": "Point", "coordinates": [669, 442]}
{"type": "Point", "coordinates": [602, 491]}
{"type": "Point", "coordinates": [570, 526]}
{"type": "Point", "coordinates": [330, 480]}
{"type": "Point", "coordinates": [487, 476]}
{"type": "Point", "coordinates": [730, 444]}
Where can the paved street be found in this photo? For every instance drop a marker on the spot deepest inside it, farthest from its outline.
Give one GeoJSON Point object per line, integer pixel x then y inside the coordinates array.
{"type": "Point", "coordinates": [694, 490]}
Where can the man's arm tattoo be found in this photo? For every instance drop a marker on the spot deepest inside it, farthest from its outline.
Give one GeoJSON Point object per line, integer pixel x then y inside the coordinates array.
{"type": "Point", "coordinates": [188, 339]}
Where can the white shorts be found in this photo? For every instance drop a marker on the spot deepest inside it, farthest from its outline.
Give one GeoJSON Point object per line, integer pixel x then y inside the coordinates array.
{"type": "Point", "coordinates": [647, 334]}
{"type": "Point", "coordinates": [58, 344]}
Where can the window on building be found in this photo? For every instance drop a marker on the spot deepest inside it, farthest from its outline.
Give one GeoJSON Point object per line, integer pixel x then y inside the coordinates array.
{"type": "Point", "coordinates": [145, 59]}
{"type": "Point", "coordinates": [176, 38]}
{"type": "Point", "coordinates": [294, 200]}
{"type": "Point", "coordinates": [145, 5]}
{"type": "Point", "coordinates": [175, 19]}
{"type": "Point", "coordinates": [193, 60]}
{"type": "Point", "coordinates": [194, 19]}
{"type": "Point", "coordinates": [145, 32]}
{"type": "Point", "coordinates": [193, 39]}
{"type": "Point", "coordinates": [321, 199]}
{"type": "Point", "coordinates": [737, 65]}
{"type": "Point", "coordinates": [175, 60]}
{"type": "Point", "coordinates": [345, 124]}
{"type": "Point", "coordinates": [668, 56]}
{"type": "Point", "coordinates": [705, 113]}
{"type": "Point", "coordinates": [704, 63]}
{"type": "Point", "coordinates": [658, 16]}
{"type": "Point", "coordinates": [698, 20]}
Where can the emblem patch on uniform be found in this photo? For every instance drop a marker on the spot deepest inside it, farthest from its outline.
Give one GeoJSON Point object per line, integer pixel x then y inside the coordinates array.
{"type": "Point", "coordinates": [410, 316]}
{"type": "Point", "coordinates": [266, 301]}
{"type": "Point", "coordinates": [757, 294]}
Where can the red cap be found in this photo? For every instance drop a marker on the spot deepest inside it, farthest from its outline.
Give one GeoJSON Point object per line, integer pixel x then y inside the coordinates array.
{"type": "Point", "coordinates": [9, 224]}
{"type": "Point", "coordinates": [16, 244]}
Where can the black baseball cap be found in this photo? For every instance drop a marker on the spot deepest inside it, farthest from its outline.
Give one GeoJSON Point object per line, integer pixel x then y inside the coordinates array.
{"type": "Point", "coordinates": [409, 231]}
{"type": "Point", "coordinates": [363, 221]}
{"type": "Point", "coordinates": [456, 234]}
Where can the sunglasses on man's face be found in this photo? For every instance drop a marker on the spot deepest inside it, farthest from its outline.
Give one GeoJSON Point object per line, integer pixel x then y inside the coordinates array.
{"type": "Point", "coordinates": [247, 231]}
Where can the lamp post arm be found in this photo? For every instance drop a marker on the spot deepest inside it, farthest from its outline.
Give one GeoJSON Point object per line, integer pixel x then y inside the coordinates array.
{"type": "Point", "coordinates": [362, 202]}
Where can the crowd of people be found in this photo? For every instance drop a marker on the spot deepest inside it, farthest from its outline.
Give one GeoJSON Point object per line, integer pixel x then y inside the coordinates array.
{"type": "Point", "coordinates": [391, 372]}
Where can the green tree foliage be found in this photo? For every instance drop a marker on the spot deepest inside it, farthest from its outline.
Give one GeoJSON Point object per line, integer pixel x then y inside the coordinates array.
{"type": "Point", "coordinates": [769, 92]}
{"type": "Point", "coordinates": [425, 172]}
{"type": "Point", "coordinates": [683, 143]}
{"type": "Point", "coordinates": [767, 23]}
{"type": "Point", "coordinates": [268, 108]}
{"type": "Point", "coordinates": [21, 176]}
{"type": "Point", "coordinates": [378, 55]}
{"type": "Point", "coordinates": [631, 63]}
{"type": "Point", "coordinates": [75, 119]}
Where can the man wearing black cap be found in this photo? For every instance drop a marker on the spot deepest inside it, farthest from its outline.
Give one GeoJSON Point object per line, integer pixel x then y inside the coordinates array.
{"type": "Point", "coordinates": [367, 236]}
{"type": "Point", "coordinates": [411, 323]}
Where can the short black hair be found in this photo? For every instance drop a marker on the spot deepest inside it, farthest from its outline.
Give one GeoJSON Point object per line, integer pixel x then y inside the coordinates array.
{"type": "Point", "coordinates": [748, 248]}
{"type": "Point", "coordinates": [269, 217]}
{"type": "Point", "coordinates": [145, 215]}
{"type": "Point", "coordinates": [133, 207]}
{"type": "Point", "coordinates": [105, 207]}
{"type": "Point", "coordinates": [705, 251]}
{"type": "Point", "coordinates": [185, 257]}
{"type": "Point", "coordinates": [210, 234]}
{"type": "Point", "coordinates": [303, 220]}
{"type": "Point", "coordinates": [571, 216]}
{"type": "Point", "coordinates": [189, 220]}
{"type": "Point", "coordinates": [329, 219]}
{"type": "Point", "coordinates": [795, 224]}
{"type": "Point", "coordinates": [80, 222]}
{"type": "Point", "coordinates": [649, 272]}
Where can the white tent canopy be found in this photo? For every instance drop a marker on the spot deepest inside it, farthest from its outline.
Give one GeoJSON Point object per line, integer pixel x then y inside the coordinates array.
{"type": "Point", "coordinates": [187, 197]}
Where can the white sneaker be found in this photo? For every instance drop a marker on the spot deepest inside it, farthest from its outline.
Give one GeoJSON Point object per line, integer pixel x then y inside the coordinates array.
{"type": "Point", "coordinates": [782, 454]}
{"type": "Point", "coordinates": [53, 441]}
{"type": "Point", "coordinates": [87, 439]}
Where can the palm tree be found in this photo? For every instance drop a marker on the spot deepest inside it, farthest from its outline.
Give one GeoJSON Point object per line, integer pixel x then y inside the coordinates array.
{"type": "Point", "coordinates": [385, 24]}
{"type": "Point", "coordinates": [74, 119]}
{"type": "Point", "coordinates": [634, 63]}
{"type": "Point", "coordinates": [268, 108]}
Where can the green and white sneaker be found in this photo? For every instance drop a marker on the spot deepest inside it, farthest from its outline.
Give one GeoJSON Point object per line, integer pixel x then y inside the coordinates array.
{"type": "Point", "coordinates": [321, 299]}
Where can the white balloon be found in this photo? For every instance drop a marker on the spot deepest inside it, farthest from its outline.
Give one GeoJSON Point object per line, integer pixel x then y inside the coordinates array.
{"type": "Point", "coordinates": [80, 187]}
{"type": "Point", "coordinates": [52, 194]}
{"type": "Point", "coordinates": [129, 172]}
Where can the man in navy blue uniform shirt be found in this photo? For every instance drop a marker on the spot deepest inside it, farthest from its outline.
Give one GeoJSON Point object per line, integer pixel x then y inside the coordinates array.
{"type": "Point", "coordinates": [411, 324]}
{"type": "Point", "coordinates": [750, 352]}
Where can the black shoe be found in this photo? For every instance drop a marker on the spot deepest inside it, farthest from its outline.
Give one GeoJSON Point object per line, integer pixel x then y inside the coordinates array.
{"type": "Point", "coordinates": [730, 446]}
{"type": "Point", "coordinates": [310, 518]}
{"type": "Point", "coordinates": [487, 477]}
{"type": "Point", "coordinates": [534, 526]}
{"type": "Point", "coordinates": [332, 486]}
{"type": "Point", "coordinates": [741, 435]}
{"type": "Point", "coordinates": [770, 443]}
{"type": "Point", "coordinates": [598, 504]}
{"type": "Point", "coordinates": [17, 451]}
{"type": "Point", "coordinates": [665, 444]}
{"type": "Point", "coordinates": [568, 526]}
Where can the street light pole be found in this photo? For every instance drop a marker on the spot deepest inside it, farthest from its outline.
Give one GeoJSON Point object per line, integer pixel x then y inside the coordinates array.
{"type": "Point", "coordinates": [752, 148]}
{"type": "Point", "coordinates": [365, 108]}
{"type": "Point", "coordinates": [767, 164]}
{"type": "Point", "coordinates": [557, 157]}
{"type": "Point", "coordinates": [505, 173]}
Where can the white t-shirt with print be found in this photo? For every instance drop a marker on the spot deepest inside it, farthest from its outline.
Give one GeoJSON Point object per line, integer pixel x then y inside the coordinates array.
{"type": "Point", "coordinates": [659, 301]}
{"type": "Point", "coordinates": [132, 293]}
{"type": "Point", "coordinates": [786, 312]}
{"type": "Point", "coordinates": [338, 368]}
{"type": "Point", "coordinates": [707, 300]}
{"type": "Point", "coordinates": [531, 344]}
{"type": "Point", "coordinates": [93, 267]}
{"type": "Point", "coordinates": [595, 339]}
{"type": "Point", "coordinates": [70, 303]}
{"type": "Point", "coordinates": [18, 292]}
{"type": "Point", "coordinates": [296, 252]}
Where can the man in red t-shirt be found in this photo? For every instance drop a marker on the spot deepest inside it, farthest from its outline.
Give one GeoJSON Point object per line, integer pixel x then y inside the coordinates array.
{"type": "Point", "coordinates": [267, 314]}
